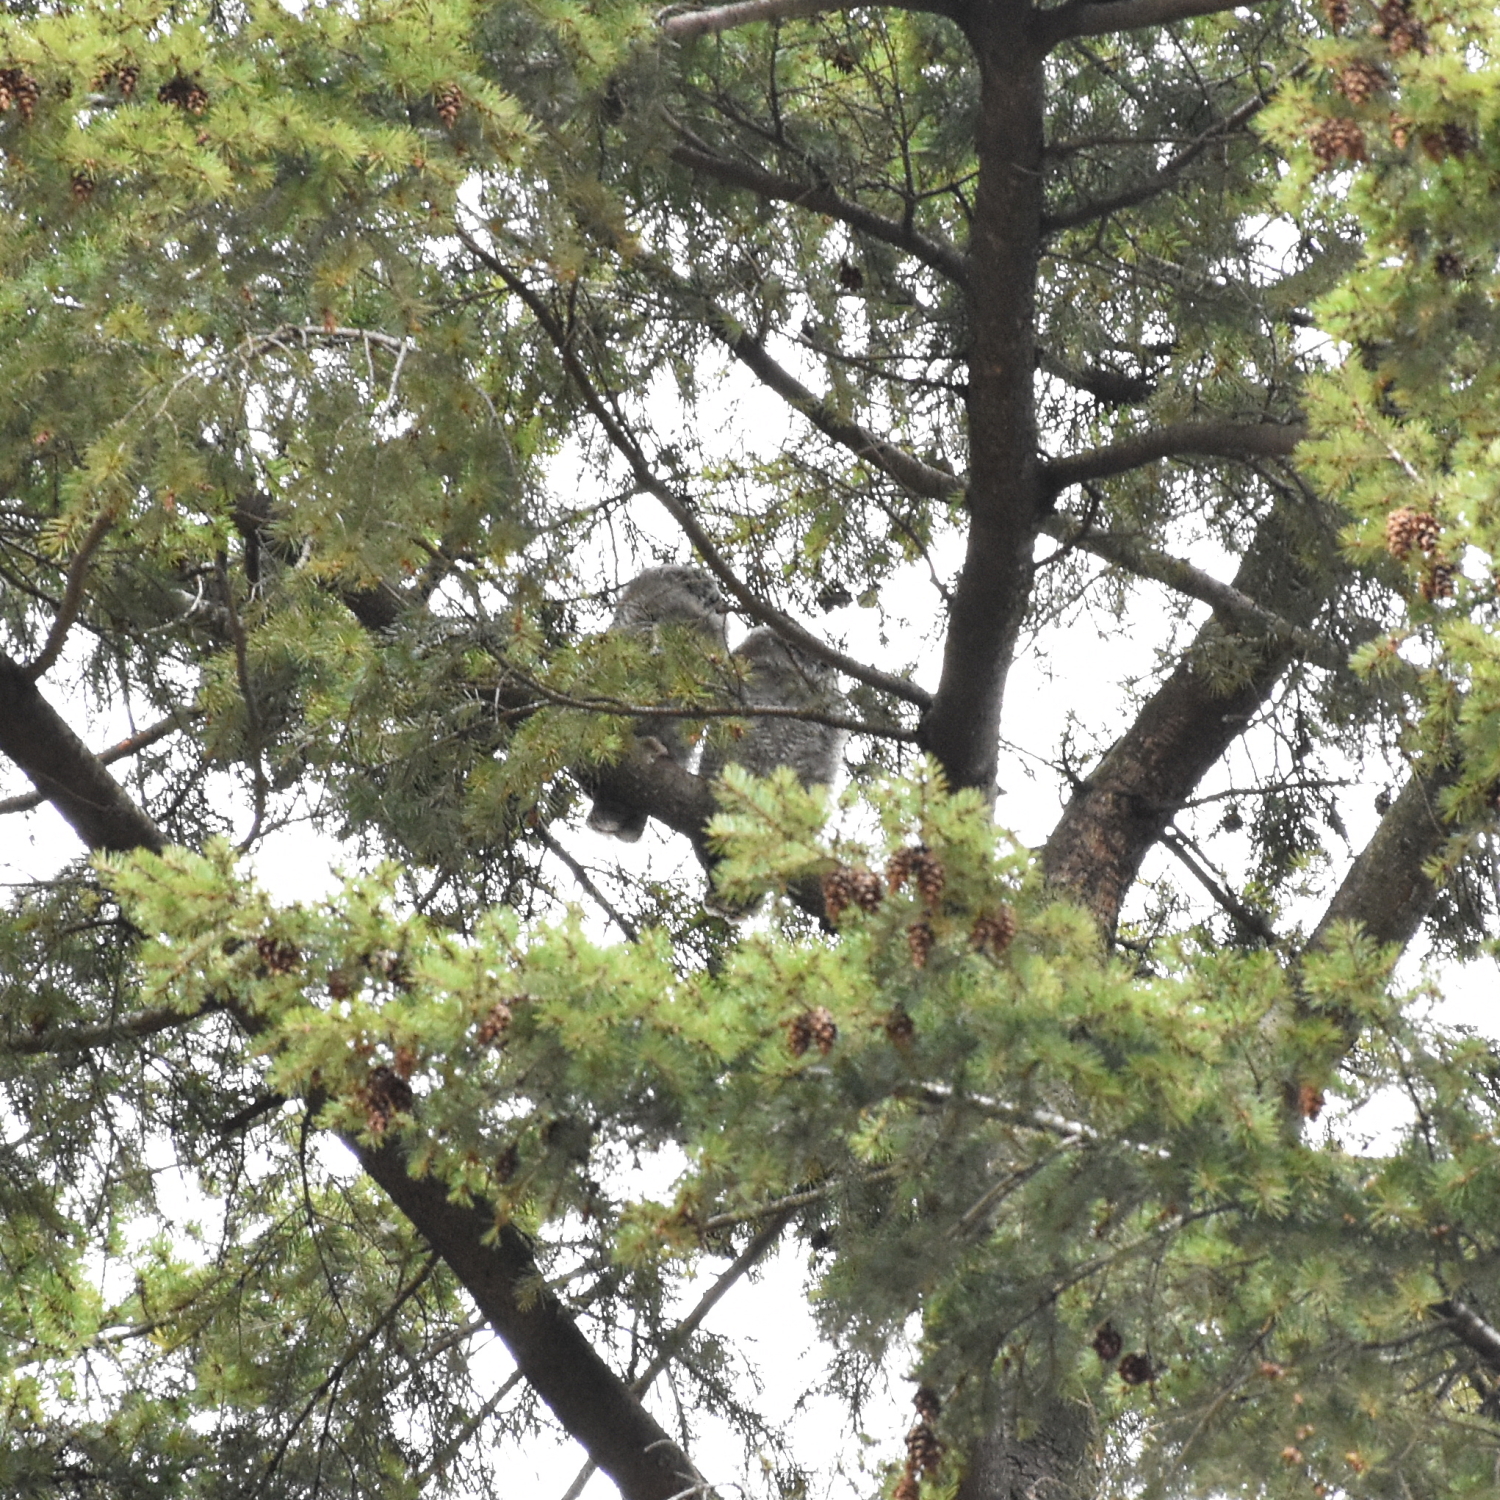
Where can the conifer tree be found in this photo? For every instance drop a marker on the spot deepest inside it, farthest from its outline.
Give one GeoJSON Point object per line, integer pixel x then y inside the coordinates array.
{"type": "Point", "coordinates": [354, 357]}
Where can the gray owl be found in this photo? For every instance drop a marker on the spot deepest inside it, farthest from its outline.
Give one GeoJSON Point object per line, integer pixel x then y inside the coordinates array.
{"type": "Point", "coordinates": [779, 676]}
{"type": "Point", "coordinates": [684, 597]}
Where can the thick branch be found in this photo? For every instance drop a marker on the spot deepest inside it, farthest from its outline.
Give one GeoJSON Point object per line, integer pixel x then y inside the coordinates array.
{"type": "Point", "coordinates": [1085, 18]}
{"type": "Point", "coordinates": [158, 731]}
{"type": "Point", "coordinates": [820, 198]}
{"type": "Point", "coordinates": [684, 25]}
{"type": "Point", "coordinates": [586, 1396]}
{"type": "Point", "coordinates": [65, 771]}
{"type": "Point", "coordinates": [127, 1028]}
{"type": "Point", "coordinates": [1483, 1338]}
{"type": "Point", "coordinates": [1181, 440]}
{"type": "Point", "coordinates": [1226, 601]}
{"type": "Point", "coordinates": [1121, 810]}
{"type": "Point", "coordinates": [1387, 891]}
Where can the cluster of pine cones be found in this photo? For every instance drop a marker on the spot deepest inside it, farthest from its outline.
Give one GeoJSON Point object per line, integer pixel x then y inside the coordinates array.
{"type": "Point", "coordinates": [1409, 529]}
{"type": "Point", "coordinates": [186, 93]}
{"type": "Point", "coordinates": [813, 1028]}
{"type": "Point", "coordinates": [495, 1024]}
{"type": "Point", "coordinates": [18, 88]}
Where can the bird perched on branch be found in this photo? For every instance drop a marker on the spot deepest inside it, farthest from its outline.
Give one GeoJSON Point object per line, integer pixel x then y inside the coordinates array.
{"type": "Point", "coordinates": [661, 597]}
{"type": "Point", "coordinates": [773, 674]}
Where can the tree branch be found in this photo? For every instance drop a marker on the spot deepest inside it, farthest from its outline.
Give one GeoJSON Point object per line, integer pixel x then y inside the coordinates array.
{"type": "Point", "coordinates": [820, 198]}
{"type": "Point", "coordinates": [1214, 439]}
{"type": "Point", "coordinates": [158, 731]}
{"type": "Point", "coordinates": [72, 599]}
{"type": "Point", "coordinates": [1482, 1337]}
{"type": "Point", "coordinates": [1149, 187]}
{"type": "Point", "coordinates": [593, 1403]}
{"type": "Point", "coordinates": [126, 1028]}
{"type": "Point", "coordinates": [1122, 808]}
{"type": "Point", "coordinates": [65, 771]}
{"type": "Point", "coordinates": [1387, 890]}
{"type": "Point", "coordinates": [1085, 18]}
{"type": "Point", "coordinates": [1226, 601]}
{"type": "Point", "coordinates": [682, 26]}
{"type": "Point", "coordinates": [787, 628]}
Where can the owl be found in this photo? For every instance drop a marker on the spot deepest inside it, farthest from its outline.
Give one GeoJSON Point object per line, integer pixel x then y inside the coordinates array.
{"type": "Point", "coordinates": [682, 597]}
{"type": "Point", "coordinates": [777, 675]}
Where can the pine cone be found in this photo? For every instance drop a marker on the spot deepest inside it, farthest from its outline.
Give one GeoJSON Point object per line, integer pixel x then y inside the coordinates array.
{"type": "Point", "coordinates": [18, 87]}
{"type": "Point", "coordinates": [929, 1408]}
{"type": "Point", "coordinates": [1108, 1343]}
{"type": "Point", "coordinates": [187, 94]}
{"type": "Point", "coordinates": [898, 867]}
{"type": "Point", "coordinates": [506, 1162]}
{"type": "Point", "coordinates": [919, 940]}
{"type": "Point", "coordinates": [386, 1095]}
{"type": "Point", "coordinates": [1336, 139]}
{"type": "Point", "coordinates": [1337, 12]}
{"type": "Point", "coordinates": [1452, 140]}
{"type": "Point", "coordinates": [851, 278]}
{"type": "Point", "coordinates": [993, 931]}
{"type": "Point", "coordinates": [907, 1488]}
{"type": "Point", "coordinates": [923, 1451]}
{"type": "Point", "coordinates": [799, 1034]}
{"type": "Point", "coordinates": [494, 1024]}
{"type": "Point", "coordinates": [1359, 80]}
{"type": "Point", "coordinates": [1135, 1369]}
{"type": "Point", "coordinates": [1437, 581]}
{"type": "Point", "coordinates": [1407, 528]}
{"type": "Point", "coordinates": [823, 1030]}
{"type": "Point", "coordinates": [1449, 265]}
{"type": "Point", "coordinates": [900, 1027]}
{"type": "Point", "coordinates": [449, 100]}
{"type": "Point", "coordinates": [866, 890]}
{"type": "Point", "coordinates": [82, 184]}
{"type": "Point", "coordinates": [838, 891]}
{"type": "Point", "coordinates": [123, 76]}
{"type": "Point", "coordinates": [1399, 29]}
{"type": "Point", "coordinates": [922, 867]}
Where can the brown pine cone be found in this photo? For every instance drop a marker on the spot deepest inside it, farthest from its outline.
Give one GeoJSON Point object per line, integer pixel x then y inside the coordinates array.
{"type": "Point", "coordinates": [1437, 581]}
{"type": "Point", "coordinates": [923, 1451]}
{"type": "Point", "coordinates": [187, 94]}
{"type": "Point", "coordinates": [993, 931]}
{"type": "Point", "coordinates": [1452, 140]}
{"type": "Point", "coordinates": [899, 865]}
{"type": "Point", "coordinates": [838, 891]}
{"type": "Point", "coordinates": [929, 1408]}
{"type": "Point", "coordinates": [799, 1035]}
{"type": "Point", "coordinates": [919, 940]}
{"type": "Point", "coordinates": [929, 876]}
{"type": "Point", "coordinates": [1108, 1343]}
{"type": "Point", "coordinates": [506, 1162]}
{"type": "Point", "coordinates": [1407, 528]}
{"type": "Point", "coordinates": [18, 87]}
{"type": "Point", "coordinates": [82, 184]}
{"type": "Point", "coordinates": [866, 890]}
{"type": "Point", "coordinates": [823, 1030]}
{"type": "Point", "coordinates": [900, 1027]}
{"type": "Point", "coordinates": [494, 1024]}
{"type": "Point", "coordinates": [123, 76]}
{"type": "Point", "coordinates": [386, 1095]}
{"type": "Point", "coordinates": [1337, 139]}
{"type": "Point", "coordinates": [907, 1487]}
{"type": "Point", "coordinates": [277, 956]}
{"type": "Point", "coordinates": [1135, 1369]}
{"type": "Point", "coordinates": [1399, 29]}
{"type": "Point", "coordinates": [1358, 81]}
{"type": "Point", "coordinates": [1337, 12]}
{"type": "Point", "coordinates": [449, 100]}
{"type": "Point", "coordinates": [1449, 265]}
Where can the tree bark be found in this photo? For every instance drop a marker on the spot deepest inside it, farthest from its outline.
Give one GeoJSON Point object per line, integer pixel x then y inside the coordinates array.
{"type": "Point", "coordinates": [1119, 812]}
{"type": "Point", "coordinates": [1006, 497]}
{"type": "Point", "coordinates": [1058, 1461]}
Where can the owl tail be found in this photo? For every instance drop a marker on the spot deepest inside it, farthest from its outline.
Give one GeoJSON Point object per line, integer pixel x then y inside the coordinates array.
{"type": "Point", "coordinates": [617, 820]}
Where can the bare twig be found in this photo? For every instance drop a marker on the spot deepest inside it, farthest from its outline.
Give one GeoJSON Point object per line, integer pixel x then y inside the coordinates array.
{"type": "Point", "coordinates": [72, 599]}
{"type": "Point", "coordinates": [584, 879]}
{"type": "Point", "coordinates": [1245, 917]}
